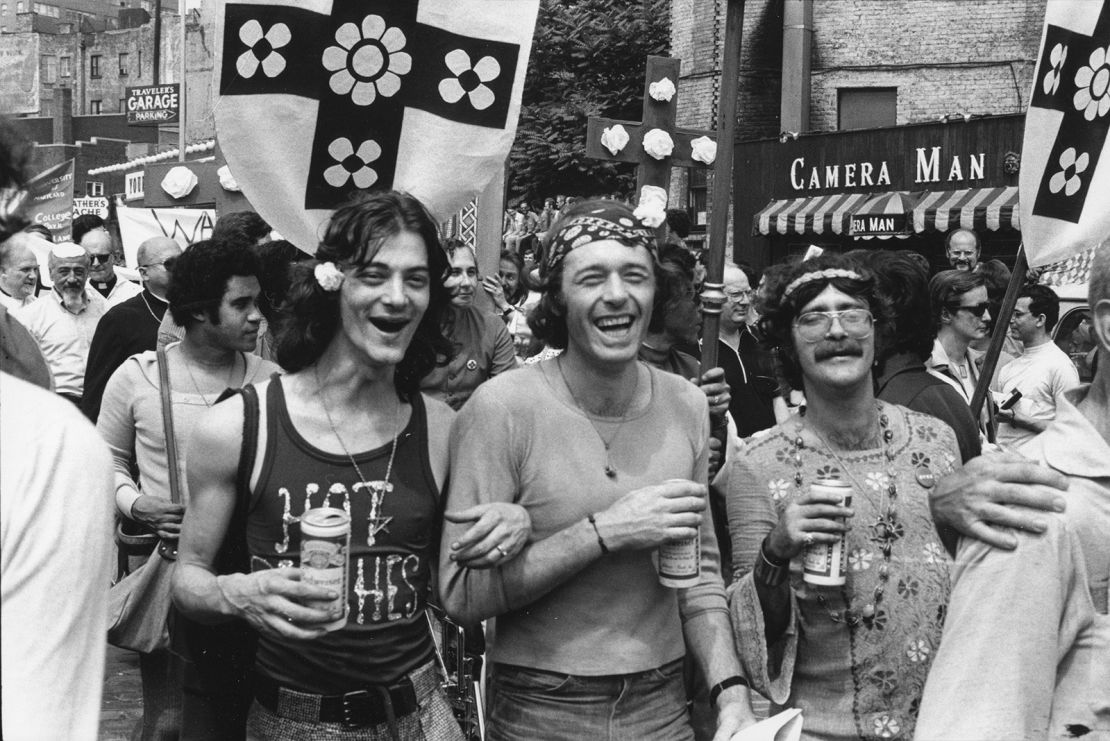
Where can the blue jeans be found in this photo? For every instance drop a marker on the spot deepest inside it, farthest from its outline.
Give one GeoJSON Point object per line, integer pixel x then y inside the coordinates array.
{"type": "Point", "coordinates": [529, 704]}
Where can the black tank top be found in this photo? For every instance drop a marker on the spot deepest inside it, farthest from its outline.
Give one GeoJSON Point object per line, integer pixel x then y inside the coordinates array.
{"type": "Point", "coordinates": [391, 553]}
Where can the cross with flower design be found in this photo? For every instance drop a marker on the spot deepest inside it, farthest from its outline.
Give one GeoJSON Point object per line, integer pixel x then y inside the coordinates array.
{"type": "Point", "coordinates": [1073, 77]}
{"type": "Point", "coordinates": [656, 144]}
{"type": "Point", "coordinates": [366, 65]}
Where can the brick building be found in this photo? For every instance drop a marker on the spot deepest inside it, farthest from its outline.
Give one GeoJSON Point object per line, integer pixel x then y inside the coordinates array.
{"type": "Point", "coordinates": [809, 68]}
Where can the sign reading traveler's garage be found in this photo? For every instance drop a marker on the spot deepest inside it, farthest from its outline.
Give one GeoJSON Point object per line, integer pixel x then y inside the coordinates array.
{"type": "Point", "coordinates": [153, 104]}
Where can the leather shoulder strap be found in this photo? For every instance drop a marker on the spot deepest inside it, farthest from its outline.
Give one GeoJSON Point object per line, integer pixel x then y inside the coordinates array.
{"type": "Point", "coordinates": [167, 424]}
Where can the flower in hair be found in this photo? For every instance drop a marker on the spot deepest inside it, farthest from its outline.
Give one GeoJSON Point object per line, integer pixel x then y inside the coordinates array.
{"type": "Point", "coordinates": [328, 276]}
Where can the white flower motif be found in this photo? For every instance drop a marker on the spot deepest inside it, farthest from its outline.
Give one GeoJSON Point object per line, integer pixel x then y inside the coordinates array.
{"type": "Point", "coordinates": [652, 208]}
{"type": "Point", "coordinates": [227, 180]}
{"type": "Point", "coordinates": [658, 144]}
{"type": "Point", "coordinates": [273, 64]}
{"type": "Point", "coordinates": [934, 553]}
{"type": "Point", "coordinates": [328, 276]}
{"type": "Point", "coordinates": [860, 559]}
{"type": "Point", "coordinates": [367, 62]}
{"type": "Point", "coordinates": [1067, 179]}
{"type": "Point", "coordinates": [918, 650]}
{"type": "Point", "coordinates": [614, 138]}
{"type": "Point", "coordinates": [341, 151]}
{"type": "Point", "coordinates": [1093, 81]}
{"type": "Point", "coordinates": [704, 150]}
{"type": "Point", "coordinates": [663, 90]}
{"type": "Point", "coordinates": [469, 80]}
{"type": "Point", "coordinates": [877, 480]}
{"type": "Point", "coordinates": [779, 488]}
{"type": "Point", "coordinates": [1052, 78]}
{"type": "Point", "coordinates": [886, 726]}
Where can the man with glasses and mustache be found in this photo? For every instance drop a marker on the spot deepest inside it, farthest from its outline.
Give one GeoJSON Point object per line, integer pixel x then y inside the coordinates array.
{"type": "Point", "coordinates": [132, 326]}
{"type": "Point", "coordinates": [961, 246]}
{"type": "Point", "coordinates": [64, 320]}
{"type": "Point", "coordinates": [852, 657]}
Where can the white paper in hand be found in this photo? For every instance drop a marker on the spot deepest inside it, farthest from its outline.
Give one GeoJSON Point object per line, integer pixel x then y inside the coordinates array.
{"type": "Point", "coordinates": [786, 726]}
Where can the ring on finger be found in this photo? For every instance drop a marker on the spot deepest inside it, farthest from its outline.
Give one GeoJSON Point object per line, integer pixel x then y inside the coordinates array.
{"type": "Point", "coordinates": [501, 550]}
{"type": "Point", "coordinates": [808, 539]}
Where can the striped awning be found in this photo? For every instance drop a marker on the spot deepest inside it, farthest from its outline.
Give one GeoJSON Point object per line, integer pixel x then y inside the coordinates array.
{"type": "Point", "coordinates": [989, 209]}
{"type": "Point", "coordinates": [814, 215]}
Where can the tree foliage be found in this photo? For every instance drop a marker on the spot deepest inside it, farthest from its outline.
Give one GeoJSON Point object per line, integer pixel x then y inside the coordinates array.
{"type": "Point", "coordinates": [588, 59]}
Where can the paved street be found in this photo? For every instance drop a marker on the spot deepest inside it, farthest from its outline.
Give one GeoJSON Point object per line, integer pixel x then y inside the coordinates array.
{"type": "Point", "coordinates": [122, 705]}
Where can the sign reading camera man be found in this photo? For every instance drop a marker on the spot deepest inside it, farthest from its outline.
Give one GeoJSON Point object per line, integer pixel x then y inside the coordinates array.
{"type": "Point", "coordinates": [152, 105]}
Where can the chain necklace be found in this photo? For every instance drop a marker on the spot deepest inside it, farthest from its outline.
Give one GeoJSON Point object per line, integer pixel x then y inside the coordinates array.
{"type": "Point", "coordinates": [610, 470]}
{"type": "Point", "coordinates": [230, 375]}
{"type": "Point", "coordinates": [143, 297]}
{"type": "Point", "coordinates": [884, 530]}
{"type": "Point", "coordinates": [376, 490]}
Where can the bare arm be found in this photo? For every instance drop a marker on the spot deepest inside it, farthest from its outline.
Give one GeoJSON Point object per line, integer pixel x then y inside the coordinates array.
{"type": "Point", "coordinates": [272, 601]}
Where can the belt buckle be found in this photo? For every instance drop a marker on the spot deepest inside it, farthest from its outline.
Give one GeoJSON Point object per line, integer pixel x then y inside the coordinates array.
{"type": "Point", "coordinates": [357, 709]}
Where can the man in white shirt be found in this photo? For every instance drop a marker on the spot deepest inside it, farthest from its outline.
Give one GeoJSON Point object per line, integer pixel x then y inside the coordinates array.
{"type": "Point", "coordinates": [63, 321]}
{"type": "Point", "coordinates": [102, 270]}
{"type": "Point", "coordinates": [19, 271]}
{"type": "Point", "coordinates": [1042, 373]}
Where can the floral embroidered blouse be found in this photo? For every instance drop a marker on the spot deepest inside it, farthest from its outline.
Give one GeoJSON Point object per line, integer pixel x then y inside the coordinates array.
{"type": "Point", "coordinates": [857, 674]}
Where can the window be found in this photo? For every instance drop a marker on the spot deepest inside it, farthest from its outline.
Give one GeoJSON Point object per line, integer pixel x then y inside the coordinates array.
{"type": "Point", "coordinates": [94, 188]}
{"type": "Point", "coordinates": [123, 64]}
{"type": "Point", "coordinates": [697, 199]}
{"type": "Point", "coordinates": [867, 108]}
{"type": "Point", "coordinates": [19, 7]}
{"type": "Point", "coordinates": [122, 105]}
{"type": "Point", "coordinates": [94, 67]}
{"type": "Point", "coordinates": [51, 11]}
{"type": "Point", "coordinates": [94, 107]}
{"type": "Point", "coordinates": [65, 66]}
{"type": "Point", "coordinates": [49, 68]}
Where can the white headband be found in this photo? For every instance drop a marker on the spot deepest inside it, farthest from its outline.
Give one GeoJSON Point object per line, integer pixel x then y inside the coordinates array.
{"type": "Point", "coordinates": [801, 280]}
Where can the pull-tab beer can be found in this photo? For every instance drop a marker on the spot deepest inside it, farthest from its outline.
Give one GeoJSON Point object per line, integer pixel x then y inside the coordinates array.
{"type": "Point", "coordinates": [826, 564]}
{"type": "Point", "coordinates": [325, 548]}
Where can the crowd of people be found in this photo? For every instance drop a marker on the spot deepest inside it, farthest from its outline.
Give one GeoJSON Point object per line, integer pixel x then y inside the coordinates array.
{"type": "Point", "coordinates": [639, 536]}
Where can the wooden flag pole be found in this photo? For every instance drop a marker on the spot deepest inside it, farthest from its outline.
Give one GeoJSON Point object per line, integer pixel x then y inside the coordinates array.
{"type": "Point", "coordinates": [998, 336]}
{"type": "Point", "coordinates": [713, 291]}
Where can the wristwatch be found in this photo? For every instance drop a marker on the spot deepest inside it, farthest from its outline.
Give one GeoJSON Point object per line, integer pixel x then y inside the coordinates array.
{"type": "Point", "coordinates": [767, 571]}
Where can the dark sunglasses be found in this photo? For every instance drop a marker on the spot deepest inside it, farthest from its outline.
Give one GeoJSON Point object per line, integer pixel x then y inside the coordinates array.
{"type": "Point", "coordinates": [101, 259]}
{"type": "Point", "coordinates": [976, 310]}
{"type": "Point", "coordinates": [168, 263]}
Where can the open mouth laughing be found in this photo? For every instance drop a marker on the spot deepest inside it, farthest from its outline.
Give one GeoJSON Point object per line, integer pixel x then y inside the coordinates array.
{"type": "Point", "coordinates": [616, 326]}
{"type": "Point", "coordinates": [387, 325]}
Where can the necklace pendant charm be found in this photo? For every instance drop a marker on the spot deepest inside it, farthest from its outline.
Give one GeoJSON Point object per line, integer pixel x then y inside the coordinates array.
{"type": "Point", "coordinates": [610, 472]}
{"type": "Point", "coordinates": [925, 477]}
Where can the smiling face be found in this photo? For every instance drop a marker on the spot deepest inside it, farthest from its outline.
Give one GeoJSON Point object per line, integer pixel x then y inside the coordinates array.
{"type": "Point", "coordinates": [509, 277]}
{"type": "Point", "coordinates": [963, 254]}
{"type": "Point", "coordinates": [738, 297]}
{"type": "Point", "coordinates": [19, 273]}
{"type": "Point", "coordinates": [836, 361]}
{"type": "Point", "coordinates": [462, 277]}
{"type": "Point", "coordinates": [607, 290]}
{"type": "Point", "coordinates": [382, 302]}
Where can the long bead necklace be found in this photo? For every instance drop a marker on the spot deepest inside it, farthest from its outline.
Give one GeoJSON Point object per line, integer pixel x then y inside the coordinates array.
{"type": "Point", "coordinates": [376, 522]}
{"type": "Point", "coordinates": [884, 531]}
{"type": "Point", "coordinates": [230, 375]}
{"type": "Point", "coordinates": [610, 470]}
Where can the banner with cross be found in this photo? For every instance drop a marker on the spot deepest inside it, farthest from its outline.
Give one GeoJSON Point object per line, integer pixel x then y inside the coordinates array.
{"type": "Point", "coordinates": [655, 144]}
{"type": "Point", "coordinates": [1065, 173]}
{"type": "Point", "coordinates": [322, 98]}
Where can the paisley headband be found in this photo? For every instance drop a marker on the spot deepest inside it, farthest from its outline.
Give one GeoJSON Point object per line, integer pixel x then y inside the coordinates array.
{"type": "Point", "coordinates": [604, 222]}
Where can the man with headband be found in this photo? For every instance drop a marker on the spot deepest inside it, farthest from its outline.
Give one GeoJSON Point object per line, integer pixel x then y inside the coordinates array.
{"type": "Point", "coordinates": [609, 457]}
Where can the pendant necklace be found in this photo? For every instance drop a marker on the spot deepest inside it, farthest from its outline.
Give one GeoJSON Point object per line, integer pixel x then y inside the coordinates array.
{"type": "Point", "coordinates": [610, 470]}
{"type": "Point", "coordinates": [376, 489]}
{"type": "Point", "coordinates": [230, 375]}
{"type": "Point", "coordinates": [884, 530]}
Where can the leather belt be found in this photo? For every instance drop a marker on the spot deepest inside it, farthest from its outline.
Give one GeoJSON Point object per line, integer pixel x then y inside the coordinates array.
{"type": "Point", "coordinates": [374, 705]}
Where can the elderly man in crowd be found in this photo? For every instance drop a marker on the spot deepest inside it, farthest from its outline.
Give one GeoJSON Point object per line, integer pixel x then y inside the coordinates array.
{"type": "Point", "coordinates": [102, 267]}
{"type": "Point", "coordinates": [1026, 648]}
{"type": "Point", "coordinates": [64, 320]}
{"type": "Point", "coordinates": [19, 270]}
{"type": "Point", "coordinates": [961, 246]}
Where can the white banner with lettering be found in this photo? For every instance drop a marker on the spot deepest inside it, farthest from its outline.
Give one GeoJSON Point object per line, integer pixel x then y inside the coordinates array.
{"type": "Point", "coordinates": [184, 225]}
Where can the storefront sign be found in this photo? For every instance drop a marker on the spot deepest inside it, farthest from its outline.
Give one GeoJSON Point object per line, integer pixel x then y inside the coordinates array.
{"type": "Point", "coordinates": [96, 206]}
{"type": "Point", "coordinates": [880, 226]}
{"type": "Point", "coordinates": [133, 186]}
{"type": "Point", "coordinates": [153, 104]}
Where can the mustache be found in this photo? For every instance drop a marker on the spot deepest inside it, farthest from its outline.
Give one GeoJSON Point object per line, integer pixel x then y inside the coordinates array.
{"type": "Point", "coordinates": [844, 349]}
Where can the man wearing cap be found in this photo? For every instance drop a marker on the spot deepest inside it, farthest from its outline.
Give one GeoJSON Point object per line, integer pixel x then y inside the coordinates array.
{"type": "Point", "coordinates": [609, 456]}
{"type": "Point", "coordinates": [63, 321]}
{"type": "Point", "coordinates": [19, 271]}
{"type": "Point", "coordinates": [961, 246]}
{"type": "Point", "coordinates": [130, 327]}
{"type": "Point", "coordinates": [102, 270]}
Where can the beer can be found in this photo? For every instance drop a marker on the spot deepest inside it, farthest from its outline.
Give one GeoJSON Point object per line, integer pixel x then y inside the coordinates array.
{"type": "Point", "coordinates": [325, 547]}
{"type": "Point", "coordinates": [680, 563]}
{"type": "Point", "coordinates": [827, 563]}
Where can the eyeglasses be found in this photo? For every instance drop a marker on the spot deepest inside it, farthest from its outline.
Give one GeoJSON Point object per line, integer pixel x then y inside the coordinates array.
{"type": "Point", "coordinates": [101, 259]}
{"type": "Point", "coordinates": [976, 310]}
{"type": "Point", "coordinates": [814, 325]}
{"type": "Point", "coordinates": [168, 263]}
{"type": "Point", "coordinates": [735, 296]}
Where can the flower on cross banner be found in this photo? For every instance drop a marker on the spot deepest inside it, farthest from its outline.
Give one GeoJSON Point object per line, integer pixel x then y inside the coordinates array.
{"type": "Point", "coordinates": [1093, 81]}
{"type": "Point", "coordinates": [704, 150]}
{"type": "Point", "coordinates": [352, 165]}
{"type": "Point", "coordinates": [662, 90]}
{"type": "Point", "coordinates": [658, 144]}
{"type": "Point", "coordinates": [368, 61]}
{"type": "Point", "coordinates": [1052, 78]}
{"type": "Point", "coordinates": [328, 276]}
{"type": "Point", "coordinates": [1067, 179]}
{"type": "Point", "coordinates": [469, 80]}
{"type": "Point", "coordinates": [262, 49]}
{"type": "Point", "coordinates": [614, 138]}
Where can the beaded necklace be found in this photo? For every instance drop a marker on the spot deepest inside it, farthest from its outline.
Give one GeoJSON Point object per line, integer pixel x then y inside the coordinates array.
{"type": "Point", "coordinates": [885, 529]}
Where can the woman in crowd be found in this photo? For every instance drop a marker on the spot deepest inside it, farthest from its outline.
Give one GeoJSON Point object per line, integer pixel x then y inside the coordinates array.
{"type": "Point", "coordinates": [346, 428]}
{"type": "Point", "coordinates": [481, 345]}
{"type": "Point", "coordinates": [512, 298]}
{"type": "Point", "coordinates": [853, 657]}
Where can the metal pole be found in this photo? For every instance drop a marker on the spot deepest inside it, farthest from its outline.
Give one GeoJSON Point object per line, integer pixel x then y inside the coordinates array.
{"type": "Point", "coordinates": [998, 336]}
{"type": "Point", "coordinates": [157, 42]}
{"type": "Point", "coordinates": [181, 125]}
{"type": "Point", "coordinates": [713, 294]}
